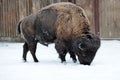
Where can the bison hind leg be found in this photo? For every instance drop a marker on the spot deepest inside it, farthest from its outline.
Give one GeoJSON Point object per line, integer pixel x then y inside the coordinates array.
{"type": "Point", "coordinates": [32, 48]}
{"type": "Point", "coordinates": [25, 50]}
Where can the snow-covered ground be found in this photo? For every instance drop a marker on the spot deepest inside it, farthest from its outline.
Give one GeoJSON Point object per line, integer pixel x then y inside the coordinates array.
{"type": "Point", "coordinates": [106, 65]}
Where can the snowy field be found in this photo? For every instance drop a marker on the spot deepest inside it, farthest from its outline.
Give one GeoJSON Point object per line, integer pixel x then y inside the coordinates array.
{"type": "Point", "coordinates": [106, 65]}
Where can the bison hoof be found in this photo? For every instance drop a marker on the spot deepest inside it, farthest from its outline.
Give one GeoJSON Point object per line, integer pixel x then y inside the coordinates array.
{"type": "Point", "coordinates": [36, 61]}
{"type": "Point", "coordinates": [24, 60]}
{"type": "Point", "coordinates": [74, 61]}
{"type": "Point", "coordinates": [64, 62]}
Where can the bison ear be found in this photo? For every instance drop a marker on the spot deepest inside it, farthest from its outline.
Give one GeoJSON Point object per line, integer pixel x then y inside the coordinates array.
{"type": "Point", "coordinates": [89, 36]}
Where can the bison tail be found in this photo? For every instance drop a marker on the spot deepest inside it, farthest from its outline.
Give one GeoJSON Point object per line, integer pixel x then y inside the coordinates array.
{"type": "Point", "coordinates": [18, 31]}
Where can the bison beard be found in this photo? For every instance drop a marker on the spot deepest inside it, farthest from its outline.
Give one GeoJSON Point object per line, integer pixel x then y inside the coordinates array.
{"type": "Point", "coordinates": [64, 24]}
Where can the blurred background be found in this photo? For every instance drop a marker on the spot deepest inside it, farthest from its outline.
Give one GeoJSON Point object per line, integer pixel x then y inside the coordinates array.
{"type": "Point", "coordinates": [104, 16]}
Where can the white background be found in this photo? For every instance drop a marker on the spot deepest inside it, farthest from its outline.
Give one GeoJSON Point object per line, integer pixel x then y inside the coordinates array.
{"type": "Point", "coordinates": [105, 66]}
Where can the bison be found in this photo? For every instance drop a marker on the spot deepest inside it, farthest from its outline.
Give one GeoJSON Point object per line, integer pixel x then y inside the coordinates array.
{"type": "Point", "coordinates": [64, 24]}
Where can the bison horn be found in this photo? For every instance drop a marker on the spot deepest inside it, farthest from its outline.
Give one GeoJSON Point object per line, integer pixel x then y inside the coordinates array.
{"type": "Point", "coordinates": [79, 46]}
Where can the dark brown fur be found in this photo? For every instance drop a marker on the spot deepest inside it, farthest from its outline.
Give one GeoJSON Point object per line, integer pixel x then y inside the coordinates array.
{"type": "Point", "coordinates": [62, 23]}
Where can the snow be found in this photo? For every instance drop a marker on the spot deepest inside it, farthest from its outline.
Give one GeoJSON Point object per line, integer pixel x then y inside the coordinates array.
{"type": "Point", "coordinates": [105, 66]}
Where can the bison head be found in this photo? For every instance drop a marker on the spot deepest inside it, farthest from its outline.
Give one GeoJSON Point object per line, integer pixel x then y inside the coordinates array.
{"type": "Point", "coordinates": [86, 47]}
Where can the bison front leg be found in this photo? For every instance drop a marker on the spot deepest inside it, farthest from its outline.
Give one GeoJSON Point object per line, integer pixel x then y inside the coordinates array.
{"type": "Point", "coordinates": [73, 56]}
{"type": "Point", "coordinates": [61, 49]}
{"type": "Point", "coordinates": [32, 47]}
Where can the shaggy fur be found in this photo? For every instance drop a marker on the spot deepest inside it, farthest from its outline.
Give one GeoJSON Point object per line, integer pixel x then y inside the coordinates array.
{"type": "Point", "coordinates": [86, 48]}
{"type": "Point", "coordinates": [63, 24]}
